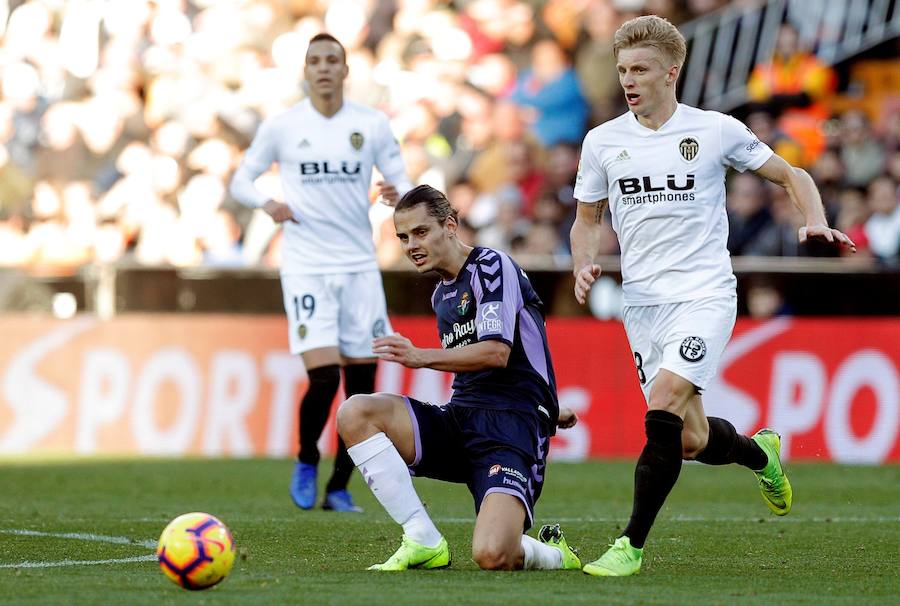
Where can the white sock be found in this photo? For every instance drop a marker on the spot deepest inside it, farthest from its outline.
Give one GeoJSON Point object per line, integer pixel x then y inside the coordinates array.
{"type": "Point", "coordinates": [539, 556]}
{"type": "Point", "coordinates": [388, 476]}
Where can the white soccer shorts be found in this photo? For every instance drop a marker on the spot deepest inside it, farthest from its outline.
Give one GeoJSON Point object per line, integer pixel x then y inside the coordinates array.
{"type": "Point", "coordinates": [345, 311]}
{"type": "Point", "coordinates": [685, 338]}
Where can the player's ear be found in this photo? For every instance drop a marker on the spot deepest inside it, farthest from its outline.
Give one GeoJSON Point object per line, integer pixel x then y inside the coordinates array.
{"type": "Point", "coordinates": [451, 224]}
{"type": "Point", "coordinates": [672, 76]}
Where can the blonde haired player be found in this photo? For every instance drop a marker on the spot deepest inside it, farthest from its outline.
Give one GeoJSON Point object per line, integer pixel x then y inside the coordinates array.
{"type": "Point", "coordinates": [326, 147]}
{"type": "Point", "coordinates": [661, 169]}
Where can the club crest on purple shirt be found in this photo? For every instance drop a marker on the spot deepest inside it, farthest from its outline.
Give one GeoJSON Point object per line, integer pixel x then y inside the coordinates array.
{"type": "Point", "coordinates": [463, 306]}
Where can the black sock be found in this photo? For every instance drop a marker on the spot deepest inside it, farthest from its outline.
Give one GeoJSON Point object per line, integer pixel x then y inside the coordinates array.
{"type": "Point", "coordinates": [726, 445]}
{"type": "Point", "coordinates": [314, 409]}
{"type": "Point", "coordinates": [656, 471]}
{"type": "Point", "coordinates": [358, 378]}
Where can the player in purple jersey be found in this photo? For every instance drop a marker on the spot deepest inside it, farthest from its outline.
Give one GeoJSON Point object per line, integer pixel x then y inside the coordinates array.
{"type": "Point", "coordinates": [494, 433]}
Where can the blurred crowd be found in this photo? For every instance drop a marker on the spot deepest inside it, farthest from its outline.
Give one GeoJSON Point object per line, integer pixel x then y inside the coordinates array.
{"type": "Point", "coordinates": [121, 122]}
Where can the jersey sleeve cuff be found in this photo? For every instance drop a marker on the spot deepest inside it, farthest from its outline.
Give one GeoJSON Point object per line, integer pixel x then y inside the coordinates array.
{"type": "Point", "coordinates": [495, 337]}
{"type": "Point", "coordinates": [762, 159]}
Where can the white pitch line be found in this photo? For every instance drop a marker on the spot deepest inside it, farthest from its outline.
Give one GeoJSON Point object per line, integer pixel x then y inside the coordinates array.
{"type": "Point", "coordinates": [81, 536]}
{"type": "Point", "coordinates": [26, 564]}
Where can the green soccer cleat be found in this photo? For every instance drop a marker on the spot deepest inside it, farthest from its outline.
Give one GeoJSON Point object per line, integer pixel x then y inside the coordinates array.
{"type": "Point", "coordinates": [413, 555]}
{"type": "Point", "coordinates": [773, 483]}
{"type": "Point", "coordinates": [620, 560]}
{"type": "Point", "coordinates": [551, 535]}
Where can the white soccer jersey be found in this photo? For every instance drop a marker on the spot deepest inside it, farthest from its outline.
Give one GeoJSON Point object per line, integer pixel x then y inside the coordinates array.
{"type": "Point", "coordinates": [326, 171]}
{"type": "Point", "coordinates": [666, 191]}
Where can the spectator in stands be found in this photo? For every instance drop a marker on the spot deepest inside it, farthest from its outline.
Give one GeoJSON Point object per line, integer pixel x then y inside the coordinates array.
{"type": "Point", "coordinates": [221, 239]}
{"type": "Point", "coordinates": [145, 108]}
{"type": "Point", "coordinates": [525, 172]}
{"type": "Point", "coordinates": [892, 130]}
{"type": "Point", "coordinates": [779, 237]}
{"type": "Point", "coordinates": [794, 85]}
{"type": "Point", "coordinates": [542, 243]}
{"type": "Point", "coordinates": [893, 165]}
{"type": "Point", "coordinates": [469, 130]}
{"type": "Point", "coordinates": [512, 157]}
{"type": "Point", "coordinates": [861, 155]}
{"type": "Point", "coordinates": [764, 299]}
{"type": "Point", "coordinates": [828, 173]}
{"type": "Point", "coordinates": [551, 91]}
{"type": "Point", "coordinates": [852, 216]}
{"type": "Point", "coordinates": [596, 63]}
{"type": "Point", "coordinates": [761, 122]}
{"type": "Point", "coordinates": [883, 227]}
{"type": "Point", "coordinates": [506, 222]}
{"type": "Point", "coordinates": [748, 213]}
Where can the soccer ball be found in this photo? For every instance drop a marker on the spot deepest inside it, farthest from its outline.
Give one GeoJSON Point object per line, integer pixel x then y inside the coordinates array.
{"type": "Point", "coordinates": [196, 551]}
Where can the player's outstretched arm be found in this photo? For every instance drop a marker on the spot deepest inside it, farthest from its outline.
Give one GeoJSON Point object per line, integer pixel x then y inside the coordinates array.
{"type": "Point", "coordinates": [803, 193]}
{"type": "Point", "coordinates": [585, 238]}
{"type": "Point", "coordinates": [491, 353]}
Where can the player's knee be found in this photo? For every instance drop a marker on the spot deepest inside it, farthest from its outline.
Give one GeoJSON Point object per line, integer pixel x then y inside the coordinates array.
{"type": "Point", "coordinates": [494, 556]}
{"type": "Point", "coordinates": [356, 411]}
{"type": "Point", "coordinates": [669, 398]}
{"type": "Point", "coordinates": [664, 400]}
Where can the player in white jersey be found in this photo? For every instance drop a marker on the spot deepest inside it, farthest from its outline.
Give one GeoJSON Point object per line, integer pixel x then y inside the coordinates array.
{"type": "Point", "coordinates": [326, 147]}
{"type": "Point", "coordinates": [661, 169]}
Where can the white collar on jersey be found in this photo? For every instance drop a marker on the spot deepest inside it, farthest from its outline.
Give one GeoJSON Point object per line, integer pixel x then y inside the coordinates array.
{"type": "Point", "coordinates": [647, 132]}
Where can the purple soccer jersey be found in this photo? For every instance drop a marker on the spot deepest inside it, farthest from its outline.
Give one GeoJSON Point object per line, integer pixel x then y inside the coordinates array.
{"type": "Point", "coordinates": [492, 298]}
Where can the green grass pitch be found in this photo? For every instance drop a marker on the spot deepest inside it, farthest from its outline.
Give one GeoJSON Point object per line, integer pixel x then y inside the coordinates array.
{"type": "Point", "coordinates": [714, 542]}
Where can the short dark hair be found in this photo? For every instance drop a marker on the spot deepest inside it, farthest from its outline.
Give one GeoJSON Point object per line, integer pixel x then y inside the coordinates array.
{"type": "Point", "coordinates": [326, 37]}
{"type": "Point", "coordinates": [437, 204]}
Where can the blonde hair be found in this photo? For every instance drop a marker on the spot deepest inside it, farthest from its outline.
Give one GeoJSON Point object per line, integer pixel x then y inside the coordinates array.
{"type": "Point", "coordinates": [654, 31]}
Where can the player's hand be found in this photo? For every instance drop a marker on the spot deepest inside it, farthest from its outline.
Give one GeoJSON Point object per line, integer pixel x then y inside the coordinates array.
{"type": "Point", "coordinates": [279, 211]}
{"type": "Point", "coordinates": [823, 233]}
{"type": "Point", "coordinates": [389, 194]}
{"type": "Point", "coordinates": [567, 418]}
{"type": "Point", "coordinates": [584, 279]}
{"type": "Point", "coordinates": [397, 348]}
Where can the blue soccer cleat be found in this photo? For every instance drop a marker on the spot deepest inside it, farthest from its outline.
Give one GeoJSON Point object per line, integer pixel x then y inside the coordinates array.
{"type": "Point", "coordinates": [340, 500]}
{"type": "Point", "coordinates": [303, 485]}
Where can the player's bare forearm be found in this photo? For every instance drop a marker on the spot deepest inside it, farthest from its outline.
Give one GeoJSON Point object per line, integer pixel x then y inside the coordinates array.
{"type": "Point", "coordinates": [586, 233]}
{"type": "Point", "coordinates": [477, 356]}
{"type": "Point", "coordinates": [585, 237]}
{"type": "Point", "coordinates": [805, 195]}
{"type": "Point", "coordinates": [799, 185]}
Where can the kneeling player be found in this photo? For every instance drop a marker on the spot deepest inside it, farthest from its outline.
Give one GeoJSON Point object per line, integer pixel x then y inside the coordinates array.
{"type": "Point", "coordinates": [494, 434]}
